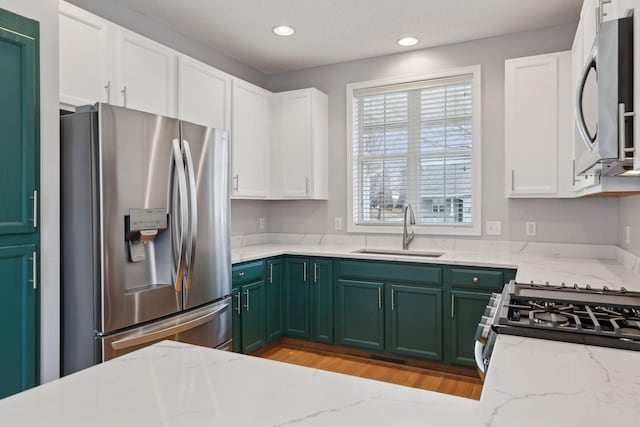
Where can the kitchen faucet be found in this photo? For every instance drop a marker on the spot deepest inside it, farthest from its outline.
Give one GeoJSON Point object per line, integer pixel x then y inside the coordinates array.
{"type": "Point", "coordinates": [406, 237]}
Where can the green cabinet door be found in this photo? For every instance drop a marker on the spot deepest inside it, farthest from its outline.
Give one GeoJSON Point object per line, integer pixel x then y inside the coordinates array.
{"type": "Point", "coordinates": [466, 309]}
{"type": "Point", "coordinates": [415, 323]}
{"type": "Point", "coordinates": [253, 308]}
{"type": "Point", "coordinates": [274, 299]}
{"type": "Point", "coordinates": [19, 124]}
{"type": "Point", "coordinates": [296, 297]}
{"type": "Point", "coordinates": [322, 300]}
{"type": "Point", "coordinates": [18, 328]}
{"type": "Point", "coordinates": [360, 314]}
{"type": "Point", "coordinates": [236, 319]}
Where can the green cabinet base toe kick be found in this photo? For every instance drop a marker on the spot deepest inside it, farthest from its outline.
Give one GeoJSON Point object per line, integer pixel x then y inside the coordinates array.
{"type": "Point", "coordinates": [387, 310]}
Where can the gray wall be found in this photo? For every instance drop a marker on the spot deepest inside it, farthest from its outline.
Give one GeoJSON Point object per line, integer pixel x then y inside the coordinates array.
{"type": "Point", "coordinates": [629, 208]}
{"type": "Point", "coordinates": [245, 215]}
{"type": "Point", "coordinates": [592, 220]}
{"type": "Point", "coordinates": [113, 11]}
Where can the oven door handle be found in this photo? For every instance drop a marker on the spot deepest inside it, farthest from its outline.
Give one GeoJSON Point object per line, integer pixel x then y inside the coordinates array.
{"type": "Point", "coordinates": [166, 332]}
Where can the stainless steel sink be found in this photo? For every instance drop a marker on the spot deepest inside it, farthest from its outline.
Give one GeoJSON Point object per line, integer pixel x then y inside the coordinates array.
{"type": "Point", "coordinates": [399, 252]}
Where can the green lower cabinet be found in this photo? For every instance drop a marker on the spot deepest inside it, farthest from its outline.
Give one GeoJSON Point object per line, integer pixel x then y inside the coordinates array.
{"type": "Point", "coordinates": [296, 298]}
{"type": "Point", "coordinates": [18, 328]}
{"type": "Point", "coordinates": [254, 309]}
{"type": "Point", "coordinates": [415, 321]}
{"type": "Point", "coordinates": [360, 314]}
{"type": "Point", "coordinates": [274, 299]}
{"type": "Point", "coordinates": [466, 309]}
{"type": "Point", "coordinates": [321, 300]}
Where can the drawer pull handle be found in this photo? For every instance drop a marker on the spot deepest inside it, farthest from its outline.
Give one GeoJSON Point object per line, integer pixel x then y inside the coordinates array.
{"type": "Point", "coordinates": [476, 280]}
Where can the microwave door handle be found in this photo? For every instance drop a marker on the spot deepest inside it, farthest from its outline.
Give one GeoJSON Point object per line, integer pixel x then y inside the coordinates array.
{"type": "Point", "coordinates": [193, 211]}
{"type": "Point", "coordinates": [582, 126]}
{"type": "Point", "coordinates": [179, 254]}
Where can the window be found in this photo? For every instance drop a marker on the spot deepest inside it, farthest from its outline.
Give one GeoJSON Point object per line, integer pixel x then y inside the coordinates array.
{"type": "Point", "coordinates": [416, 141]}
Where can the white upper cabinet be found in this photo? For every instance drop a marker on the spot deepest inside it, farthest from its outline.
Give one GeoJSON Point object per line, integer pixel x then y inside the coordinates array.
{"type": "Point", "coordinates": [538, 125]}
{"type": "Point", "coordinates": [204, 94]}
{"type": "Point", "coordinates": [250, 140]}
{"type": "Point", "coordinates": [589, 27]}
{"type": "Point", "coordinates": [86, 58]}
{"type": "Point", "coordinates": [146, 74]}
{"type": "Point", "coordinates": [300, 145]}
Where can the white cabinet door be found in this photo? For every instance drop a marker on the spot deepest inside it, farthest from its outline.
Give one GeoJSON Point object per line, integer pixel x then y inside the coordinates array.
{"type": "Point", "coordinates": [204, 94]}
{"type": "Point", "coordinates": [300, 145]}
{"type": "Point", "coordinates": [589, 22]}
{"type": "Point", "coordinates": [538, 126]}
{"type": "Point", "coordinates": [86, 58]}
{"type": "Point", "coordinates": [146, 74]}
{"type": "Point", "coordinates": [250, 140]}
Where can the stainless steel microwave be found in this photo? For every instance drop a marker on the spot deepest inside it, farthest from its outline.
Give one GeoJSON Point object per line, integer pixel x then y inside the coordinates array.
{"type": "Point", "coordinates": [604, 102]}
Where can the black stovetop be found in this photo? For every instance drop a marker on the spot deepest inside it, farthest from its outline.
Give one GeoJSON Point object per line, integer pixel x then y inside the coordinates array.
{"type": "Point", "coordinates": [602, 317]}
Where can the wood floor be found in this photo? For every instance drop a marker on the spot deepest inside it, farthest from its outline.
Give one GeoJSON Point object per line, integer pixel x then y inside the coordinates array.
{"type": "Point", "coordinates": [373, 369]}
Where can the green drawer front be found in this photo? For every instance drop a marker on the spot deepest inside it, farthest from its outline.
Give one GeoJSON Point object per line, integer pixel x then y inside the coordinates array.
{"type": "Point", "coordinates": [477, 279]}
{"type": "Point", "coordinates": [391, 271]}
{"type": "Point", "coordinates": [247, 272]}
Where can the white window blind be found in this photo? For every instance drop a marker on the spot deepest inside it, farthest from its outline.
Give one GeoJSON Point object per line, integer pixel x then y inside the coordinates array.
{"type": "Point", "coordinates": [412, 144]}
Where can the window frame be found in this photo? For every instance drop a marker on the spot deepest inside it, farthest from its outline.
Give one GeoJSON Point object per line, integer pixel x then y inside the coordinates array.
{"type": "Point", "coordinates": [472, 229]}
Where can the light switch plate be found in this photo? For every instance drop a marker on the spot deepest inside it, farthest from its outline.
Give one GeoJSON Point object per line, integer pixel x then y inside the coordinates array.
{"type": "Point", "coordinates": [262, 223]}
{"type": "Point", "coordinates": [337, 223]}
{"type": "Point", "coordinates": [530, 228]}
{"type": "Point", "coordinates": [494, 228]}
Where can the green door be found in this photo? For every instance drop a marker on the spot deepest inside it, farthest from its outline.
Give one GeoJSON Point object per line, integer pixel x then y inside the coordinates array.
{"type": "Point", "coordinates": [236, 319]}
{"type": "Point", "coordinates": [19, 178]}
{"type": "Point", "coordinates": [254, 328]}
{"type": "Point", "coordinates": [360, 317]}
{"type": "Point", "coordinates": [19, 123]}
{"type": "Point", "coordinates": [415, 324]}
{"type": "Point", "coordinates": [322, 300]}
{"type": "Point", "coordinates": [18, 327]}
{"type": "Point", "coordinates": [466, 309]}
{"type": "Point", "coordinates": [274, 299]}
{"type": "Point", "coordinates": [296, 297]}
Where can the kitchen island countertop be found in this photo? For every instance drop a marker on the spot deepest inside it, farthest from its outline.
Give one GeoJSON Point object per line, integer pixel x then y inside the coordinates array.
{"type": "Point", "coordinates": [174, 384]}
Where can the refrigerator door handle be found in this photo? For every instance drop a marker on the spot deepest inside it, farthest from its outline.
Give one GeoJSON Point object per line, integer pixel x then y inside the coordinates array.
{"type": "Point", "coordinates": [193, 212]}
{"type": "Point", "coordinates": [166, 332]}
{"type": "Point", "coordinates": [179, 254]}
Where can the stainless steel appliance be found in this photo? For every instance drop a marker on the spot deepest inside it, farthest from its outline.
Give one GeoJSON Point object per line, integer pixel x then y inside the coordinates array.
{"type": "Point", "coordinates": [602, 317]}
{"type": "Point", "coordinates": [604, 103]}
{"type": "Point", "coordinates": [145, 234]}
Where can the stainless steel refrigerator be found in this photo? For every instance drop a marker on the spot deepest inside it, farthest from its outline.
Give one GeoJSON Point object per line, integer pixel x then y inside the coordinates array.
{"type": "Point", "coordinates": [144, 234]}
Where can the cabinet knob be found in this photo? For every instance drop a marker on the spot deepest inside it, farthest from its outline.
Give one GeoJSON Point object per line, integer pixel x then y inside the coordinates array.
{"type": "Point", "coordinates": [476, 280]}
{"type": "Point", "coordinates": [242, 275]}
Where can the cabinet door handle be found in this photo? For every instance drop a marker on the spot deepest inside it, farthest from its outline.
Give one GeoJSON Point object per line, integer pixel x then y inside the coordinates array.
{"type": "Point", "coordinates": [238, 305]}
{"type": "Point", "coordinates": [315, 272]}
{"type": "Point", "coordinates": [237, 180]}
{"type": "Point", "coordinates": [124, 96]}
{"type": "Point", "coordinates": [393, 299]}
{"type": "Point", "coordinates": [270, 273]}
{"type": "Point", "coordinates": [304, 271]}
{"type": "Point", "coordinates": [34, 266]}
{"type": "Point", "coordinates": [34, 197]}
{"type": "Point", "coordinates": [246, 293]}
{"type": "Point", "coordinates": [379, 298]}
{"type": "Point", "coordinates": [107, 88]}
{"type": "Point", "coordinates": [513, 179]}
{"type": "Point", "coordinates": [307, 185]}
{"type": "Point", "coordinates": [453, 305]}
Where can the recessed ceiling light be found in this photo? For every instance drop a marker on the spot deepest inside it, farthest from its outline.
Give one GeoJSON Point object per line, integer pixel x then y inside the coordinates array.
{"type": "Point", "coordinates": [283, 30]}
{"type": "Point", "coordinates": [407, 41]}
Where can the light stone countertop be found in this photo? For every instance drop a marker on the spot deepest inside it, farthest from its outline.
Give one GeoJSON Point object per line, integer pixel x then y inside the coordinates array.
{"type": "Point", "coordinates": [173, 384]}
{"type": "Point", "coordinates": [596, 265]}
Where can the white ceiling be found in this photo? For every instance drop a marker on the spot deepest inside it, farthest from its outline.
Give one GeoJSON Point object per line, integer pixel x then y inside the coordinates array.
{"type": "Point", "coordinates": [331, 31]}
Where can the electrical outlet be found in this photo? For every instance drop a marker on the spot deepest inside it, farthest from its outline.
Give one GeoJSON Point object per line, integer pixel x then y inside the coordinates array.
{"type": "Point", "coordinates": [494, 228]}
{"type": "Point", "coordinates": [262, 223]}
{"type": "Point", "coordinates": [627, 234]}
{"type": "Point", "coordinates": [530, 228]}
{"type": "Point", "coordinates": [337, 223]}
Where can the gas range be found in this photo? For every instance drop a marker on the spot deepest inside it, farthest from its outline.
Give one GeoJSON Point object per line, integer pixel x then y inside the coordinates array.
{"type": "Point", "coordinates": [602, 317]}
